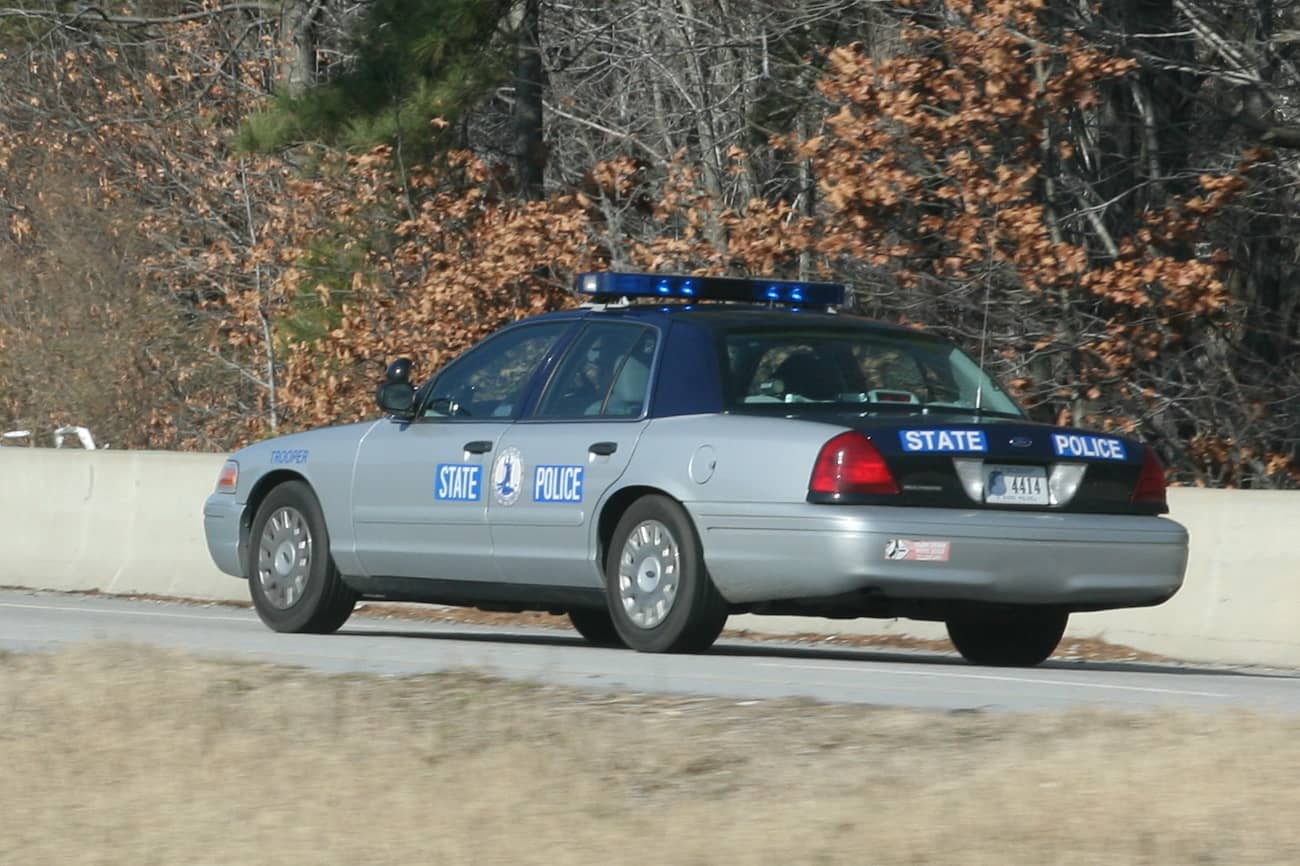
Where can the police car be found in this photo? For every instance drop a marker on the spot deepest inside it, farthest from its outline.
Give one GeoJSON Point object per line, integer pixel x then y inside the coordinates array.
{"type": "Point", "coordinates": [683, 448]}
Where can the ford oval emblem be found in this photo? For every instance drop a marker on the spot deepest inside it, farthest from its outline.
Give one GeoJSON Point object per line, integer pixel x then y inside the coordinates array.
{"type": "Point", "coordinates": [1021, 441]}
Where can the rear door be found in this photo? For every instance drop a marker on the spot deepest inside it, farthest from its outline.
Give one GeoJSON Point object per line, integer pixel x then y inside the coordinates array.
{"type": "Point", "coordinates": [554, 467]}
{"type": "Point", "coordinates": [420, 488]}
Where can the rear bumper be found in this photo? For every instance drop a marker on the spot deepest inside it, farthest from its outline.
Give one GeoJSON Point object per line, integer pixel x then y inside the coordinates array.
{"type": "Point", "coordinates": [221, 528]}
{"type": "Point", "coordinates": [758, 553]}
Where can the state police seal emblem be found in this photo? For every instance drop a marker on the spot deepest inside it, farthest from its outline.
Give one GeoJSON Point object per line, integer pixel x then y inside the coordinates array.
{"type": "Point", "coordinates": [507, 476]}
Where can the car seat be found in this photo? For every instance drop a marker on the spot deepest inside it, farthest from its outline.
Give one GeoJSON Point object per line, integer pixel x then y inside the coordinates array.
{"type": "Point", "coordinates": [806, 375]}
{"type": "Point", "coordinates": [628, 393]}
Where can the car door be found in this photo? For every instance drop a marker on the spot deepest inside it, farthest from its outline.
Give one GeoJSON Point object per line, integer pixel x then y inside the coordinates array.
{"type": "Point", "coordinates": [420, 487]}
{"type": "Point", "coordinates": [554, 466]}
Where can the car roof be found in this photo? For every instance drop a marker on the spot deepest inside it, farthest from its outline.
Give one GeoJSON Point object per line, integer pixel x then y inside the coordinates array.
{"type": "Point", "coordinates": [728, 316]}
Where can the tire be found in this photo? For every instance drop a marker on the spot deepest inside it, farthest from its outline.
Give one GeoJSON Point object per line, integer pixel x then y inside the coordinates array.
{"type": "Point", "coordinates": [596, 626]}
{"type": "Point", "coordinates": [660, 596]}
{"type": "Point", "coordinates": [1023, 640]}
{"type": "Point", "coordinates": [291, 576]}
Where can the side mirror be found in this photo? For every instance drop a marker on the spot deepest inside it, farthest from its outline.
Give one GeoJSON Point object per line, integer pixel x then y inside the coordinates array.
{"type": "Point", "coordinates": [396, 395]}
{"type": "Point", "coordinates": [397, 398]}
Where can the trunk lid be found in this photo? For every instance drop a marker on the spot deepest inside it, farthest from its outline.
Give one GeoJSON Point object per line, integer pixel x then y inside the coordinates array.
{"type": "Point", "coordinates": [964, 461]}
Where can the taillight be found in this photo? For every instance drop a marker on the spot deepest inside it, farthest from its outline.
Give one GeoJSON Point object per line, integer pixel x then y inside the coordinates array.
{"type": "Point", "coordinates": [1150, 487]}
{"type": "Point", "coordinates": [850, 463]}
{"type": "Point", "coordinates": [228, 479]}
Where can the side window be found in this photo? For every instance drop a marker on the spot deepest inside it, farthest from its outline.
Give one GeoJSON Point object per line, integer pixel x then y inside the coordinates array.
{"type": "Point", "coordinates": [606, 373]}
{"type": "Point", "coordinates": [489, 381]}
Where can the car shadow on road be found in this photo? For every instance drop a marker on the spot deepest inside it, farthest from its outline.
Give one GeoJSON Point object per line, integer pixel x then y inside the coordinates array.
{"type": "Point", "coordinates": [906, 656]}
{"type": "Point", "coordinates": [735, 648]}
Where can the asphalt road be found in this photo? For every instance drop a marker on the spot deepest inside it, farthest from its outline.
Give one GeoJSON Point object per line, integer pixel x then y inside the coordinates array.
{"type": "Point", "coordinates": [737, 669]}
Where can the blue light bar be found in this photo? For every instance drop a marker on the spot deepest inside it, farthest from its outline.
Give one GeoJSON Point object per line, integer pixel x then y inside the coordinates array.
{"type": "Point", "coordinates": [762, 291]}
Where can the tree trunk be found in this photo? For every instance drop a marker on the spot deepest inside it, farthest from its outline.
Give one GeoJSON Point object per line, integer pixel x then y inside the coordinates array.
{"type": "Point", "coordinates": [529, 145]}
{"type": "Point", "coordinates": [1147, 118]}
{"type": "Point", "coordinates": [298, 45]}
{"type": "Point", "coordinates": [700, 99]}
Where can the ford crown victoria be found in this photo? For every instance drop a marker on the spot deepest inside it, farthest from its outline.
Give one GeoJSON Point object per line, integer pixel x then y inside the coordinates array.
{"type": "Point", "coordinates": [685, 448]}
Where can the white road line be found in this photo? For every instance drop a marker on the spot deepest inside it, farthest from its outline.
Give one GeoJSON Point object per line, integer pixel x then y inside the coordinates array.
{"type": "Point", "coordinates": [118, 612]}
{"type": "Point", "coordinates": [1020, 680]}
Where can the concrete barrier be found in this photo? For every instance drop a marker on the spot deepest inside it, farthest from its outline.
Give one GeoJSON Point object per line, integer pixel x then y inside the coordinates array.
{"type": "Point", "coordinates": [130, 522]}
{"type": "Point", "coordinates": [112, 521]}
{"type": "Point", "coordinates": [1241, 597]}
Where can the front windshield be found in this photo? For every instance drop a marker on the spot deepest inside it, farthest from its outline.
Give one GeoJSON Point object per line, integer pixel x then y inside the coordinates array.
{"type": "Point", "coordinates": [863, 369]}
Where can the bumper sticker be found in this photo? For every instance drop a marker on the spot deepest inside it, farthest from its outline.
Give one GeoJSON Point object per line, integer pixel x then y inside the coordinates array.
{"type": "Point", "coordinates": [916, 550]}
{"type": "Point", "coordinates": [1096, 447]}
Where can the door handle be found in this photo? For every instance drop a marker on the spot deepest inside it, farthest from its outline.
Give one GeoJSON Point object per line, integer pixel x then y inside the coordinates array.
{"type": "Point", "coordinates": [604, 449]}
{"type": "Point", "coordinates": [479, 446]}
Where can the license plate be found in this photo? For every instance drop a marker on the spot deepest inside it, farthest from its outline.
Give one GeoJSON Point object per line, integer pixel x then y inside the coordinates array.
{"type": "Point", "coordinates": [1015, 485]}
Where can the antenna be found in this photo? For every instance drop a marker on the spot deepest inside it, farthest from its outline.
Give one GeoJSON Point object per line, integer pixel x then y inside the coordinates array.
{"type": "Point", "coordinates": [984, 327]}
{"type": "Point", "coordinates": [984, 338]}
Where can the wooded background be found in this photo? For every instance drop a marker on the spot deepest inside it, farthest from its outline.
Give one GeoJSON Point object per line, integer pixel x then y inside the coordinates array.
{"type": "Point", "coordinates": [219, 221]}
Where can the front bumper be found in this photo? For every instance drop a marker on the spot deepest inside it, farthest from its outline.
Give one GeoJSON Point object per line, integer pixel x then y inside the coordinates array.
{"type": "Point", "coordinates": [222, 516]}
{"type": "Point", "coordinates": [766, 553]}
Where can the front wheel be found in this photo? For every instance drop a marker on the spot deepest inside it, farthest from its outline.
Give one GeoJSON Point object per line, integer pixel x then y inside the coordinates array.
{"type": "Point", "coordinates": [1023, 639]}
{"type": "Point", "coordinates": [660, 596]}
{"type": "Point", "coordinates": [291, 577]}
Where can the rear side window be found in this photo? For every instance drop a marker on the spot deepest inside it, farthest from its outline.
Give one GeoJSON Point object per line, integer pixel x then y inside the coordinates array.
{"type": "Point", "coordinates": [844, 367]}
{"type": "Point", "coordinates": [604, 374]}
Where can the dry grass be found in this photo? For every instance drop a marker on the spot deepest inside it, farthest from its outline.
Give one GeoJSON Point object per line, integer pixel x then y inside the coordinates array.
{"type": "Point", "coordinates": [117, 755]}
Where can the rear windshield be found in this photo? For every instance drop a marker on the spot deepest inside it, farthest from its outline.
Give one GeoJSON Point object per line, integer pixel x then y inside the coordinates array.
{"type": "Point", "coordinates": [838, 368]}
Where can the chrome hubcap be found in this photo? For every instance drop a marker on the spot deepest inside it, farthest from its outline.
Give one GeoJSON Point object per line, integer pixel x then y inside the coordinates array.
{"type": "Point", "coordinates": [284, 557]}
{"type": "Point", "coordinates": [649, 570]}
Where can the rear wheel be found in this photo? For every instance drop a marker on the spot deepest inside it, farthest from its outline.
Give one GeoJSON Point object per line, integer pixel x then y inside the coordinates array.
{"type": "Point", "coordinates": [291, 577]}
{"type": "Point", "coordinates": [596, 626]}
{"type": "Point", "coordinates": [1023, 639]}
{"type": "Point", "coordinates": [660, 596]}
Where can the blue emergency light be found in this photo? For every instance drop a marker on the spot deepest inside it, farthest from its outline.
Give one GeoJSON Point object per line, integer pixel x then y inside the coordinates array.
{"type": "Point", "coordinates": [612, 284]}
